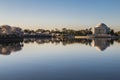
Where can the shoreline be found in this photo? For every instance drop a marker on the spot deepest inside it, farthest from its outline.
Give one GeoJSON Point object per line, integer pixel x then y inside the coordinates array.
{"type": "Point", "coordinates": [60, 36]}
{"type": "Point", "coordinates": [88, 37]}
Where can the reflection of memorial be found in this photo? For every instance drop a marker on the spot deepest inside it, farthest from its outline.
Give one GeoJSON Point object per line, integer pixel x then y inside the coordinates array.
{"type": "Point", "coordinates": [101, 43]}
{"type": "Point", "coordinates": [7, 49]}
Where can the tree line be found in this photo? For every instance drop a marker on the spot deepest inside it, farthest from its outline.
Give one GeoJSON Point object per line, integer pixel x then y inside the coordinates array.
{"type": "Point", "coordinates": [56, 31]}
{"type": "Point", "coordinates": [65, 31]}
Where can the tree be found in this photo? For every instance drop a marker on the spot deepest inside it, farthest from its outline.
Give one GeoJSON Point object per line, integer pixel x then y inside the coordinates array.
{"type": "Point", "coordinates": [112, 32]}
{"type": "Point", "coordinates": [26, 31]}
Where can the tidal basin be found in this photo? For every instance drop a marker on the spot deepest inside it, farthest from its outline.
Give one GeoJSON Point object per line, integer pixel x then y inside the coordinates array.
{"type": "Point", "coordinates": [48, 59]}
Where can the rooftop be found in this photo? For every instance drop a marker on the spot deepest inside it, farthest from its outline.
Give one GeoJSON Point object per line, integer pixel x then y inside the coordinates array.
{"type": "Point", "coordinates": [102, 25]}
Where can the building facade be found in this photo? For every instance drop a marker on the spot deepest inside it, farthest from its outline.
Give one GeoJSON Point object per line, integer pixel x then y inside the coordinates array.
{"type": "Point", "coordinates": [101, 30]}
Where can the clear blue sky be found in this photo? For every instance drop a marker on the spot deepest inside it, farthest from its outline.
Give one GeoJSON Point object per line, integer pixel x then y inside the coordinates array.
{"type": "Point", "coordinates": [59, 13]}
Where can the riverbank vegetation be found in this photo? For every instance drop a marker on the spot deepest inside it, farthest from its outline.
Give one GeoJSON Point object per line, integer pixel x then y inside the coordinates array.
{"type": "Point", "coordinates": [8, 32]}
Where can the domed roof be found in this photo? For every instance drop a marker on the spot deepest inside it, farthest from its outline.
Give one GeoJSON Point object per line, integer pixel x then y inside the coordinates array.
{"type": "Point", "coordinates": [101, 25]}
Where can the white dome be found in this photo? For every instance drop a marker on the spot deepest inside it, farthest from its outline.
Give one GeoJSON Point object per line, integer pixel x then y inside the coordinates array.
{"type": "Point", "coordinates": [102, 25]}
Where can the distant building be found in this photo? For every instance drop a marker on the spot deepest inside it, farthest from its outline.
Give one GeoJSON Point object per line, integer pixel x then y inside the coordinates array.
{"type": "Point", "coordinates": [101, 30]}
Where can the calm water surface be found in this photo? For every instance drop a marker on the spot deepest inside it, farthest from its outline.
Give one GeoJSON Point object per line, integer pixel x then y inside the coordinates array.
{"type": "Point", "coordinates": [99, 60]}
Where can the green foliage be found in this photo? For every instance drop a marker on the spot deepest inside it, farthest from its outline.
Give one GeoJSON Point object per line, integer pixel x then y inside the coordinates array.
{"type": "Point", "coordinates": [77, 32]}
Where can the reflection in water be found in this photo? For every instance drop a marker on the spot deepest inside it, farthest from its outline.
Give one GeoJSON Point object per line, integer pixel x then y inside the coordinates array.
{"type": "Point", "coordinates": [100, 43]}
{"type": "Point", "coordinates": [58, 41]}
{"type": "Point", "coordinates": [7, 48]}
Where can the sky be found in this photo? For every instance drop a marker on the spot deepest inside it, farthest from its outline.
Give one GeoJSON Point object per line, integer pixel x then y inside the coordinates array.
{"type": "Point", "coordinates": [59, 13]}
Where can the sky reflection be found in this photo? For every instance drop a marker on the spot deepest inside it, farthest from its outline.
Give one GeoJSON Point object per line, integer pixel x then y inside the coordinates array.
{"type": "Point", "coordinates": [71, 61]}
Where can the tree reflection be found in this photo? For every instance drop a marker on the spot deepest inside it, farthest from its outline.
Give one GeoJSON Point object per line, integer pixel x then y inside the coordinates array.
{"type": "Point", "coordinates": [57, 41]}
{"type": "Point", "coordinates": [9, 46]}
{"type": "Point", "coordinates": [99, 43]}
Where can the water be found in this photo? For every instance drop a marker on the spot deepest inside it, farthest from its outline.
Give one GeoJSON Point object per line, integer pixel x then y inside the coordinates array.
{"type": "Point", "coordinates": [47, 59]}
